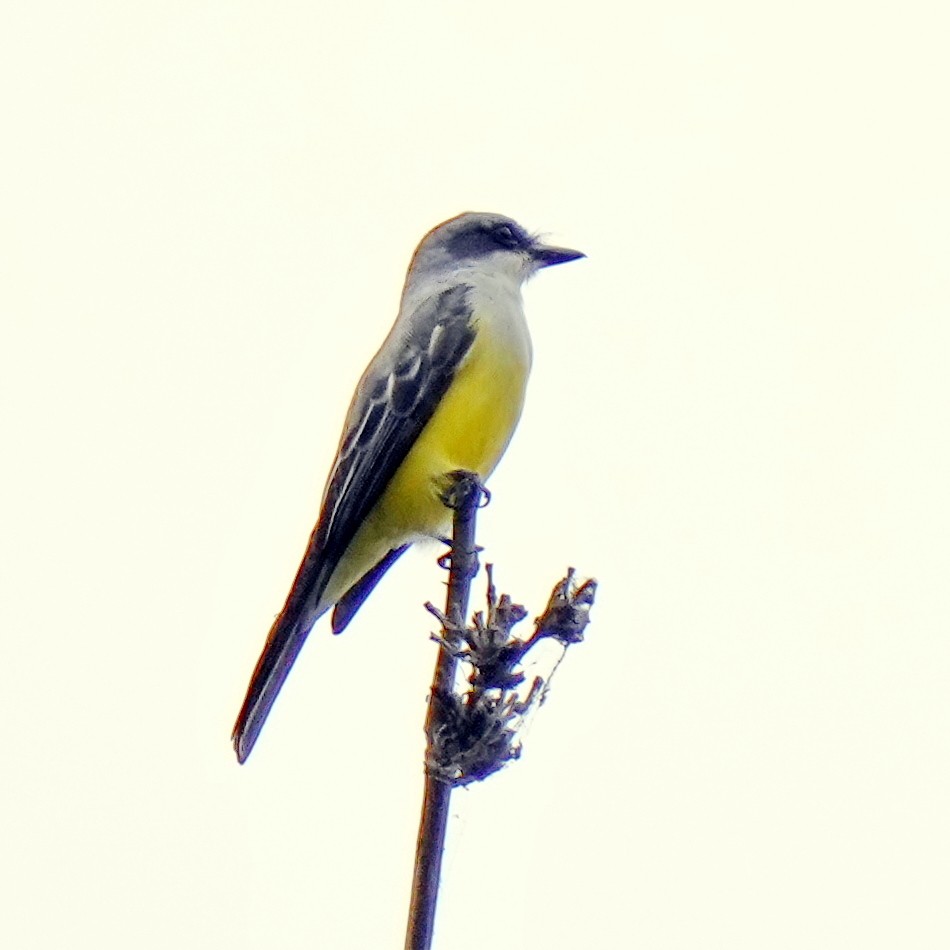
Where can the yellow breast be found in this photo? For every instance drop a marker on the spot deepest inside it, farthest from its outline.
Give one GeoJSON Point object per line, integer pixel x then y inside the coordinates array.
{"type": "Point", "coordinates": [469, 430]}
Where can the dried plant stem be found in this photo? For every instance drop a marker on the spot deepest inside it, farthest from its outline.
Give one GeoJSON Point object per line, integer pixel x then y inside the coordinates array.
{"type": "Point", "coordinates": [463, 497]}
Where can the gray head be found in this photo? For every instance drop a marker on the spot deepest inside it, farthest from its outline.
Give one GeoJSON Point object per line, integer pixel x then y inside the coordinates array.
{"type": "Point", "coordinates": [480, 239]}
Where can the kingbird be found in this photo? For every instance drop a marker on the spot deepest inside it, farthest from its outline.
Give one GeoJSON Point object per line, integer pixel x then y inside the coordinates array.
{"type": "Point", "coordinates": [444, 393]}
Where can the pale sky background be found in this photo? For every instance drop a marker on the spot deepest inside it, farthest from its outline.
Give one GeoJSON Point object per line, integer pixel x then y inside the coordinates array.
{"type": "Point", "coordinates": [738, 422]}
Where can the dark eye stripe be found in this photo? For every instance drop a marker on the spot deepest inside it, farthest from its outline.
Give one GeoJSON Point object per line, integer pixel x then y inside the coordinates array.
{"type": "Point", "coordinates": [482, 238]}
{"type": "Point", "coordinates": [506, 236]}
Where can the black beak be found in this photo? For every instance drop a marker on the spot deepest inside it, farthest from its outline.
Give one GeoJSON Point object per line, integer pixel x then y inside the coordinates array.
{"type": "Point", "coordinates": [546, 256]}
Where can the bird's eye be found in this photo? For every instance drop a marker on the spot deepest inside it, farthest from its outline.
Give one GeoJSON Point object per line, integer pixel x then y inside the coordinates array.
{"type": "Point", "coordinates": [505, 236]}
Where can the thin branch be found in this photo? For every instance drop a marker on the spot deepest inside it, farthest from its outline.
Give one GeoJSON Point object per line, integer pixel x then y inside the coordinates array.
{"type": "Point", "coordinates": [474, 731]}
{"type": "Point", "coordinates": [463, 496]}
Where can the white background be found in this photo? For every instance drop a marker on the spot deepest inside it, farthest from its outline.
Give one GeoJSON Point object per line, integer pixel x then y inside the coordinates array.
{"type": "Point", "coordinates": [738, 421]}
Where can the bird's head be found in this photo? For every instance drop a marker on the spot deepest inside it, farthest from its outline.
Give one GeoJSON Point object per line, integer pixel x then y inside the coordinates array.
{"type": "Point", "coordinates": [480, 239]}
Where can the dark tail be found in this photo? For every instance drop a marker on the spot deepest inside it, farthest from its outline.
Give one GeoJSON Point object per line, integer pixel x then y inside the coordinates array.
{"type": "Point", "coordinates": [287, 637]}
{"type": "Point", "coordinates": [284, 642]}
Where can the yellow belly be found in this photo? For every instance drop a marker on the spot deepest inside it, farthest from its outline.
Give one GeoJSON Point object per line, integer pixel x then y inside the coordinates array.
{"type": "Point", "coordinates": [469, 430]}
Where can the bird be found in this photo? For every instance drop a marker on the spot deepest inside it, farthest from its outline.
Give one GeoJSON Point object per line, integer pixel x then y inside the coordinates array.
{"type": "Point", "coordinates": [443, 394]}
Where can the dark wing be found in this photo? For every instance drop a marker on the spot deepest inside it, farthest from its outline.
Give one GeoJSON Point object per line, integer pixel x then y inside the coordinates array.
{"type": "Point", "coordinates": [391, 408]}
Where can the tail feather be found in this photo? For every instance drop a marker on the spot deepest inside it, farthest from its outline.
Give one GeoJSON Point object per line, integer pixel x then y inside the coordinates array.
{"type": "Point", "coordinates": [284, 642]}
{"type": "Point", "coordinates": [290, 631]}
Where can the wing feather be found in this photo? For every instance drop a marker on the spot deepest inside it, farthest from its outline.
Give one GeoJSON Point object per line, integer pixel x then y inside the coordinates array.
{"type": "Point", "coordinates": [390, 417]}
